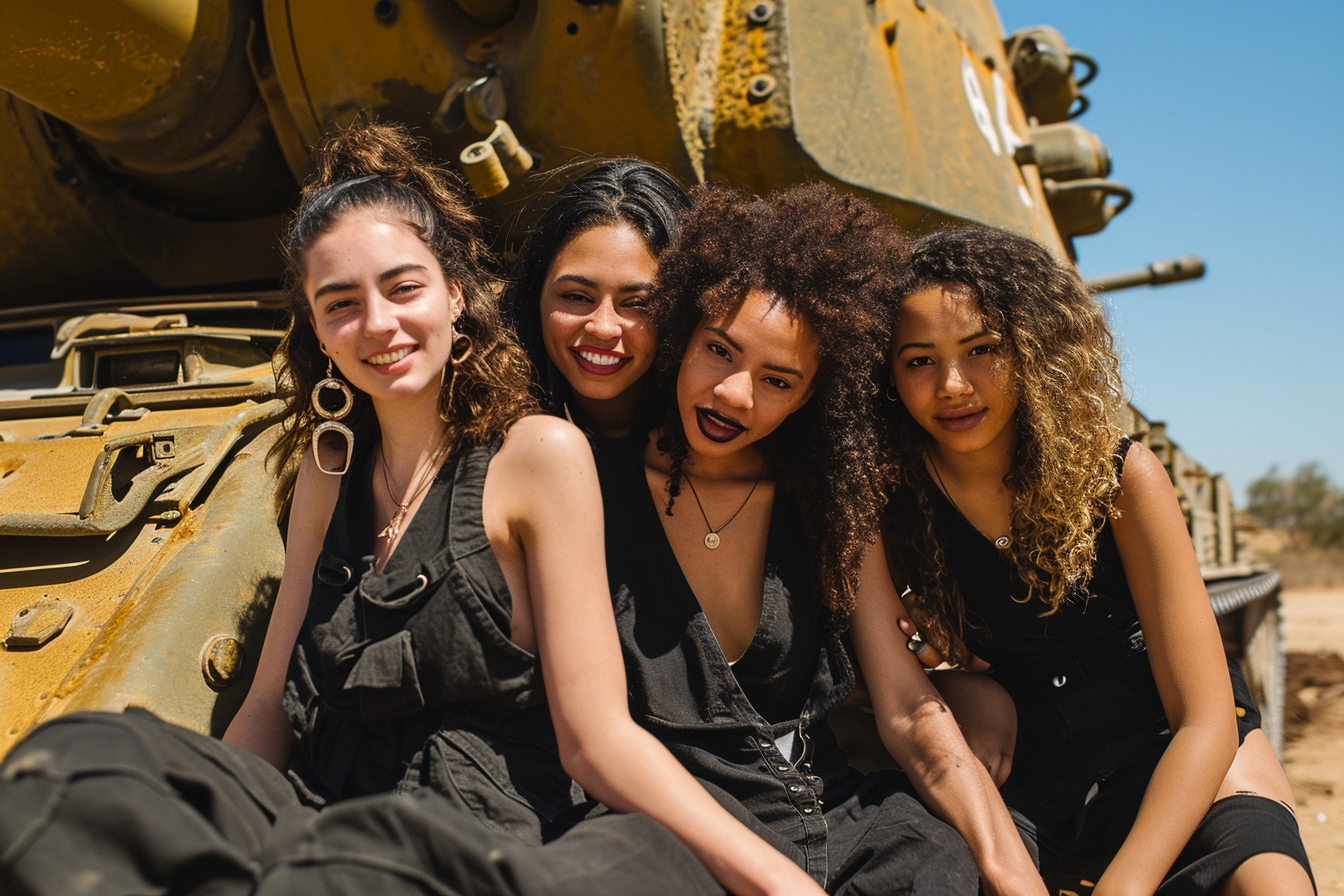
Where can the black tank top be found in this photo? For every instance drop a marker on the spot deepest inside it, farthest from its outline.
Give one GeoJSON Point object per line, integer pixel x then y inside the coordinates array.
{"type": "Point", "coordinates": [723, 722]}
{"type": "Point", "coordinates": [1086, 699]}
{"type": "Point", "coordinates": [407, 677]}
{"type": "Point", "coordinates": [1007, 625]}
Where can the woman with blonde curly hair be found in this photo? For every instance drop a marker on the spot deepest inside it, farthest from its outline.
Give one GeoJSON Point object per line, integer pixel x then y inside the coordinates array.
{"type": "Point", "coordinates": [1038, 539]}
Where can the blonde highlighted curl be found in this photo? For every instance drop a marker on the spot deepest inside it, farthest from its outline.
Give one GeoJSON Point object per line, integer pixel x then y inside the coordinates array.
{"type": "Point", "coordinates": [384, 168]}
{"type": "Point", "coordinates": [1063, 479]}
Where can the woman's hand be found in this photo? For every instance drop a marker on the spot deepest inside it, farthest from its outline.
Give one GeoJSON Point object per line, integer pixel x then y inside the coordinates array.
{"type": "Point", "coordinates": [925, 652]}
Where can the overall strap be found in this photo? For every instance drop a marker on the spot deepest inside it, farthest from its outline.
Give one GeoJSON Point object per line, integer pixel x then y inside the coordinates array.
{"type": "Point", "coordinates": [341, 540]}
{"type": "Point", "coordinates": [1121, 451]}
{"type": "Point", "coordinates": [466, 523]}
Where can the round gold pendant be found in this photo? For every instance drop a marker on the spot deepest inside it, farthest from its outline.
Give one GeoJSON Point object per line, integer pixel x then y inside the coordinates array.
{"type": "Point", "coordinates": [712, 540]}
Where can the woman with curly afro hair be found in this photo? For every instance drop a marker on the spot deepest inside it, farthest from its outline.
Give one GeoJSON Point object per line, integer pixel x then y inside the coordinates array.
{"type": "Point", "coordinates": [1038, 539]}
{"type": "Point", "coordinates": [743, 532]}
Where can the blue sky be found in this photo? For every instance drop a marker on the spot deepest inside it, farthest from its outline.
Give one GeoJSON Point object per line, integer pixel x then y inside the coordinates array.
{"type": "Point", "coordinates": [1226, 119]}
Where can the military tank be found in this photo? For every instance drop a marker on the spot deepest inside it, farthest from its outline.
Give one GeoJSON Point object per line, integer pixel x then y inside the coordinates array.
{"type": "Point", "coordinates": [150, 148]}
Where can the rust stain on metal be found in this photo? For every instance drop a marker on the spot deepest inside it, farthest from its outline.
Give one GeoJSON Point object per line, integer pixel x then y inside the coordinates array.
{"type": "Point", "coordinates": [753, 79]}
{"type": "Point", "coordinates": [726, 69]}
{"type": "Point", "coordinates": [111, 630]}
{"type": "Point", "coordinates": [221, 660]}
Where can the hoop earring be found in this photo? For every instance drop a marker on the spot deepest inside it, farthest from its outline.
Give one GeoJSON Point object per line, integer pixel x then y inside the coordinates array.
{"type": "Point", "coordinates": [892, 394]}
{"type": "Point", "coordinates": [461, 350]}
{"type": "Point", "coordinates": [331, 429]}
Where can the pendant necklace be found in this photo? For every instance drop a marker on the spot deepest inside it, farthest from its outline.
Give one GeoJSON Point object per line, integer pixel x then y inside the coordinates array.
{"type": "Point", "coordinates": [1001, 542]}
{"type": "Point", "coordinates": [712, 537]}
{"type": "Point", "coordinates": [423, 475]}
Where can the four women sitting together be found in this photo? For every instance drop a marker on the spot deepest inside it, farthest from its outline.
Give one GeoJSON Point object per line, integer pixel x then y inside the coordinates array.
{"type": "Point", "coordinates": [564, 612]}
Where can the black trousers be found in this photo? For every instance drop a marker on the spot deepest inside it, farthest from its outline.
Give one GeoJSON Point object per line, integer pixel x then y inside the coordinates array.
{"type": "Point", "coordinates": [881, 840]}
{"type": "Point", "coordinates": [112, 805]}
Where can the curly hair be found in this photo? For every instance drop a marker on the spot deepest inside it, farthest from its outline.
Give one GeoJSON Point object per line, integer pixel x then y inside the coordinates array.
{"type": "Point", "coordinates": [616, 191]}
{"type": "Point", "coordinates": [1066, 375]}
{"type": "Point", "coordinates": [383, 167]}
{"type": "Point", "coordinates": [829, 259]}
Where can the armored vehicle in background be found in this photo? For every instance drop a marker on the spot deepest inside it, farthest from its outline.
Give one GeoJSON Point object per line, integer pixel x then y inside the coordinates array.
{"type": "Point", "coordinates": [150, 148]}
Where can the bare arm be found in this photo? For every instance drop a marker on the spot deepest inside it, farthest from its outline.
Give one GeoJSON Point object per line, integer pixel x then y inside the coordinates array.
{"type": "Point", "coordinates": [918, 729]}
{"type": "Point", "coordinates": [1186, 654]}
{"type": "Point", "coordinates": [547, 478]}
{"type": "Point", "coordinates": [260, 725]}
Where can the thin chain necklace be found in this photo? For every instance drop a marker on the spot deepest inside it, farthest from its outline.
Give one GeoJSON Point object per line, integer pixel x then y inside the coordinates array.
{"type": "Point", "coordinates": [712, 537]}
{"type": "Point", "coordinates": [1001, 542]}
{"type": "Point", "coordinates": [423, 474]}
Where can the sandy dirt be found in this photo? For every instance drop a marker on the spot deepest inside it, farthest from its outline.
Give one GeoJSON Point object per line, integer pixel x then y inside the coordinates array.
{"type": "Point", "coordinates": [1314, 630]}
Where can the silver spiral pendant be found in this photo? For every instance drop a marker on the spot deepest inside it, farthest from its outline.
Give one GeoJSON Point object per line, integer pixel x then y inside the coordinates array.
{"type": "Point", "coordinates": [1001, 542]}
{"type": "Point", "coordinates": [712, 540]}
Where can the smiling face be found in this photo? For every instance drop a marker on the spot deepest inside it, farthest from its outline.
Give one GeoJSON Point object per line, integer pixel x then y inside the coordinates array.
{"type": "Point", "coordinates": [947, 367]}
{"type": "Point", "coordinates": [594, 311]}
{"type": "Point", "coordinates": [741, 376]}
{"type": "Point", "coordinates": [381, 307]}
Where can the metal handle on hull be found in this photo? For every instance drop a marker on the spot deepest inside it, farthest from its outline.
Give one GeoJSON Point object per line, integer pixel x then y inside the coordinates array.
{"type": "Point", "coordinates": [102, 513]}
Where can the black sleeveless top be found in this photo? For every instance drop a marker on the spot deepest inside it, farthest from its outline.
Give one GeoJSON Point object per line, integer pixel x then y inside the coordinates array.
{"type": "Point", "coordinates": [1007, 625]}
{"type": "Point", "coordinates": [723, 722]}
{"type": "Point", "coordinates": [1080, 676]}
{"type": "Point", "coordinates": [406, 678]}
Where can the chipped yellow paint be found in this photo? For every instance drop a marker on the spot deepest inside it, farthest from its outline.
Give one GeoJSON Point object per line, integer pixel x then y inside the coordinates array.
{"type": "Point", "coordinates": [50, 474]}
{"type": "Point", "coordinates": [95, 62]}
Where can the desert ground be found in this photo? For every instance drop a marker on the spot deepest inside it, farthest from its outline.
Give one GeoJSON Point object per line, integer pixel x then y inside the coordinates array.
{"type": "Point", "coordinates": [1314, 631]}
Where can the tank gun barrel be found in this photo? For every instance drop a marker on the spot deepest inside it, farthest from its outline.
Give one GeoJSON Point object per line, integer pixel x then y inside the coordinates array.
{"type": "Point", "coordinates": [129, 71]}
{"type": "Point", "coordinates": [1159, 273]}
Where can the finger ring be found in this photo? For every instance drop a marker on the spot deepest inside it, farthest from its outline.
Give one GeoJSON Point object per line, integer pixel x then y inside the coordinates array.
{"type": "Point", "coordinates": [916, 644]}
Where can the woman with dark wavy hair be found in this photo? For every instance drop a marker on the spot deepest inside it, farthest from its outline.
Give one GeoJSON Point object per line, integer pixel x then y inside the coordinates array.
{"type": "Point", "coordinates": [579, 294]}
{"type": "Point", "coordinates": [742, 533]}
{"type": "Point", "coordinates": [441, 656]}
{"type": "Point", "coordinates": [1036, 537]}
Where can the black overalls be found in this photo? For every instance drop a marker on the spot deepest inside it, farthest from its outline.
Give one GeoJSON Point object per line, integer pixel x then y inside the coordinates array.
{"type": "Point", "coordinates": [404, 686]}
{"type": "Point", "coordinates": [851, 833]}
{"type": "Point", "coordinates": [1091, 726]}
{"type": "Point", "coordinates": [406, 678]}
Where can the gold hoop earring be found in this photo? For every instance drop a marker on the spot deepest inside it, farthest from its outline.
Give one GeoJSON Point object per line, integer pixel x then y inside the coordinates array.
{"type": "Point", "coordinates": [461, 350]}
{"type": "Point", "coordinates": [892, 394]}
{"type": "Point", "coordinates": [335, 434]}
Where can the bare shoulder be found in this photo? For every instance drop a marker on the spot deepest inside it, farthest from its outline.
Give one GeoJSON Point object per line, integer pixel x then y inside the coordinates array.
{"type": "Point", "coordinates": [545, 463]}
{"type": "Point", "coordinates": [540, 445]}
{"type": "Point", "coordinates": [314, 497]}
{"type": "Point", "coordinates": [1143, 479]}
{"type": "Point", "coordinates": [1150, 524]}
